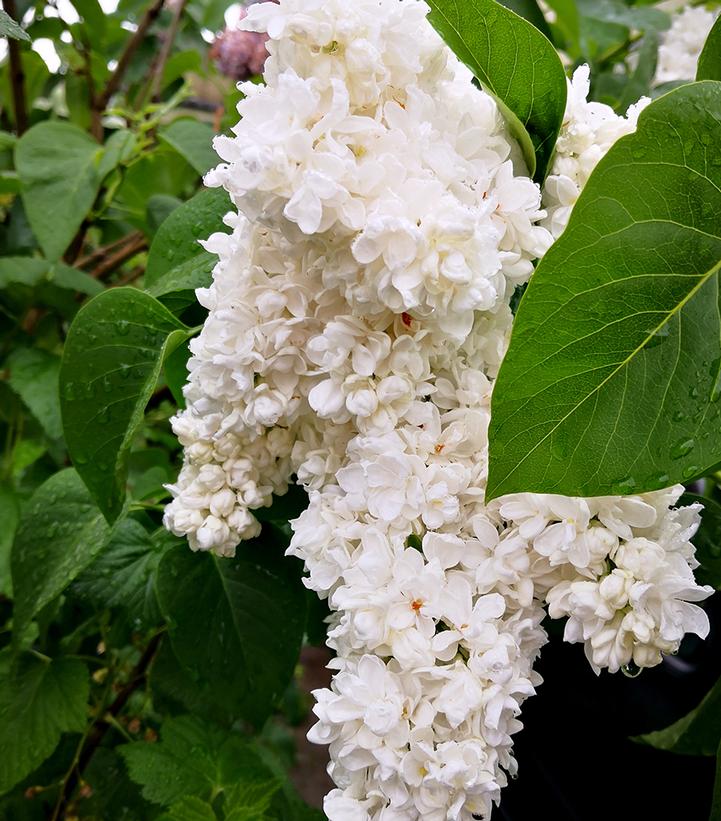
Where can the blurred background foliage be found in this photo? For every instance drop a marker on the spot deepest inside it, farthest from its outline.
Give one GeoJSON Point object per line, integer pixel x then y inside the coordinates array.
{"type": "Point", "coordinates": [137, 680]}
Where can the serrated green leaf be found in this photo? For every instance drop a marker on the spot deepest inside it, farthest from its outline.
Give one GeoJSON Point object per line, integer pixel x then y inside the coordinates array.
{"type": "Point", "coordinates": [177, 239]}
{"type": "Point", "coordinates": [611, 382]}
{"type": "Point", "coordinates": [34, 376]}
{"type": "Point", "coordinates": [111, 363]}
{"type": "Point", "coordinates": [192, 758]}
{"type": "Point", "coordinates": [9, 28]}
{"type": "Point", "coordinates": [193, 140]}
{"type": "Point", "coordinates": [57, 164]}
{"type": "Point", "coordinates": [697, 733]}
{"type": "Point", "coordinates": [124, 573]}
{"type": "Point", "coordinates": [707, 540]}
{"type": "Point", "coordinates": [236, 623]}
{"type": "Point", "coordinates": [61, 531]}
{"type": "Point", "coordinates": [709, 63]}
{"type": "Point", "coordinates": [190, 809]}
{"type": "Point", "coordinates": [39, 701]}
{"type": "Point", "coordinates": [513, 61]}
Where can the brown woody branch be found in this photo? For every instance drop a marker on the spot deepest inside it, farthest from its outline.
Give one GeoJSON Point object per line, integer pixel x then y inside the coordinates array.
{"type": "Point", "coordinates": [101, 100]}
{"type": "Point", "coordinates": [157, 75]}
{"type": "Point", "coordinates": [17, 75]}
{"type": "Point", "coordinates": [102, 723]}
{"type": "Point", "coordinates": [99, 253]}
{"type": "Point", "coordinates": [114, 260]}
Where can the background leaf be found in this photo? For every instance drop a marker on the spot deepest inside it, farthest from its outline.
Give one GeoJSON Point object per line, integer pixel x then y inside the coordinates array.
{"type": "Point", "coordinates": [236, 623]}
{"type": "Point", "coordinates": [192, 758]}
{"type": "Point", "coordinates": [611, 380]}
{"type": "Point", "coordinates": [61, 531]}
{"type": "Point", "coordinates": [513, 61]}
{"type": "Point", "coordinates": [111, 363]}
{"type": "Point", "coordinates": [192, 140]}
{"type": "Point", "coordinates": [39, 701]}
{"type": "Point", "coordinates": [707, 540]}
{"type": "Point", "coordinates": [709, 63]}
{"type": "Point", "coordinates": [57, 164]}
{"type": "Point", "coordinates": [34, 376]}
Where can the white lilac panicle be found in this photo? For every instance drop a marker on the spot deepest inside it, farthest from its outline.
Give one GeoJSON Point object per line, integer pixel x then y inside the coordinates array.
{"type": "Point", "coordinates": [682, 44]}
{"type": "Point", "coordinates": [589, 129]}
{"type": "Point", "coordinates": [358, 313]}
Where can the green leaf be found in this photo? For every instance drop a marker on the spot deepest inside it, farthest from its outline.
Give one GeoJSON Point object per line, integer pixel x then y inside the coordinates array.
{"type": "Point", "coordinates": [640, 82]}
{"type": "Point", "coordinates": [179, 64]}
{"type": "Point", "coordinates": [181, 282]}
{"type": "Point", "coordinates": [177, 239]}
{"type": "Point", "coordinates": [236, 623]}
{"type": "Point", "coordinates": [697, 733]}
{"type": "Point", "coordinates": [709, 63]}
{"type": "Point", "coordinates": [568, 22]}
{"type": "Point", "coordinates": [34, 376]}
{"type": "Point", "coordinates": [58, 167]}
{"type": "Point", "coordinates": [189, 809]}
{"type": "Point", "coordinates": [61, 531]}
{"type": "Point", "coordinates": [9, 516]}
{"type": "Point", "coordinates": [9, 28]}
{"type": "Point", "coordinates": [176, 372]}
{"type": "Point", "coordinates": [112, 360]}
{"type": "Point", "coordinates": [39, 701]}
{"type": "Point", "coordinates": [707, 540]}
{"type": "Point", "coordinates": [160, 207]}
{"type": "Point", "coordinates": [513, 61]}
{"type": "Point", "coordinates": [193, 140]}
{"type": "Point", "coordinates": [124, 573]}
{"type": "Point", "coordinates": [192, 758]}
{"type": "Point", "coordinates": [7, 140]}
{"type": "Point", "coordinates": [611, 382]}
{"type": "Point", "coordinates": [32, 272]}
{"type": "Point", "coordinates": [119, 148]}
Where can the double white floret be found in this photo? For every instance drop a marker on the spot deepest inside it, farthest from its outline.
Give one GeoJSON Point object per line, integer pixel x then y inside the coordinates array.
{"type": "Point", "coordinates": [357, 316]}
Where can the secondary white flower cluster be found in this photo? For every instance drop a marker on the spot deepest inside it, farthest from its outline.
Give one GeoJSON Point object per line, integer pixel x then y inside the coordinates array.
{"type": "Point", "coordinates": [358, 313]}
{"type": "Point", "coordinates": [681, 45]}
{"type": "Point", "coordinates": [589, 130]}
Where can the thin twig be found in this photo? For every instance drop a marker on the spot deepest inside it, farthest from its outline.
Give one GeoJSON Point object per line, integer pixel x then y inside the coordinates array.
{"type": "Point", "coordinates": [97, 733]}
{"type": "Point", "coordinates": [157, 75]}
{"type": "Point", "coordinates": [115, 260]}
{"type": "Point", "coordinates": [131, 276]}
{"type": "Point", "coordinates": [104, 250]}
{"type": "Point", "coordinates": [131, 47]}
{"type": "Point", "coordinates": [17, 75]}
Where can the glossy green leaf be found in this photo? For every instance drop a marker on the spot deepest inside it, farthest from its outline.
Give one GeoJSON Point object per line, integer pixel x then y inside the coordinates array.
{"type": "Point", "coordinates": [58, 167]}
{"type": "Point", "coordinates": [177, 240]}
{"type": "Point", "coordinates": [192, 758]}
{"type": "Point", "coordinates": [34, 376]}
{"type": "Point", "coordinates": [61, 531]}
{"type": "Point", "coordinates": [39, 701]}
{"type": "Point", "coordinates": [124, 573]}
{"type": "Point", "coordinates": [513, 61]}
{"type": "Point", "coordinates": [181, 281]}
{"type": "Point", "coordinates": [697, 733]}
{"type": "Point", "coordinates": [193, 140]}
{"type": "Point", "coordinates": [709, 63]}
{"type": "Point", "coordinates": [611, 382]}
{"type": "Point", "coordinates": [112, 360]}
{"type": "Point", "coordinates": [9, 28]}
{"type": "Point", "coordinates": [236, 623]}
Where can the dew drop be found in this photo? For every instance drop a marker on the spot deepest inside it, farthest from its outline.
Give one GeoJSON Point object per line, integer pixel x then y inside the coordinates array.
{"type": "Point", "coordinates": [624, 487]}
{"type": "Point", "coordinates": [690, 471]}
{"type": "Point", "coordinates": [682, 447]}
{"type": "Point", "coordinates": [631, 670]}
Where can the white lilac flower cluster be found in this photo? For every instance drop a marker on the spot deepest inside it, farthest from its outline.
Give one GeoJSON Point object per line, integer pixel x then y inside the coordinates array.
{"type": "Point", "coordinates": [357, 316]}
{"type": "Point", "coordinates": [681, 45]}
{"type": "Point", "coordinates": [589, 130]}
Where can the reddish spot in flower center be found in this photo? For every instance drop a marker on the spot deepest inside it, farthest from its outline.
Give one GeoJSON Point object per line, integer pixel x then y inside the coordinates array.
{"type": "Point", "coordinates": [416, 604]}
{"type": "Point", "coordinates": [406, 319]}
{"type": "Point", "coordinates": [438, 448]}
